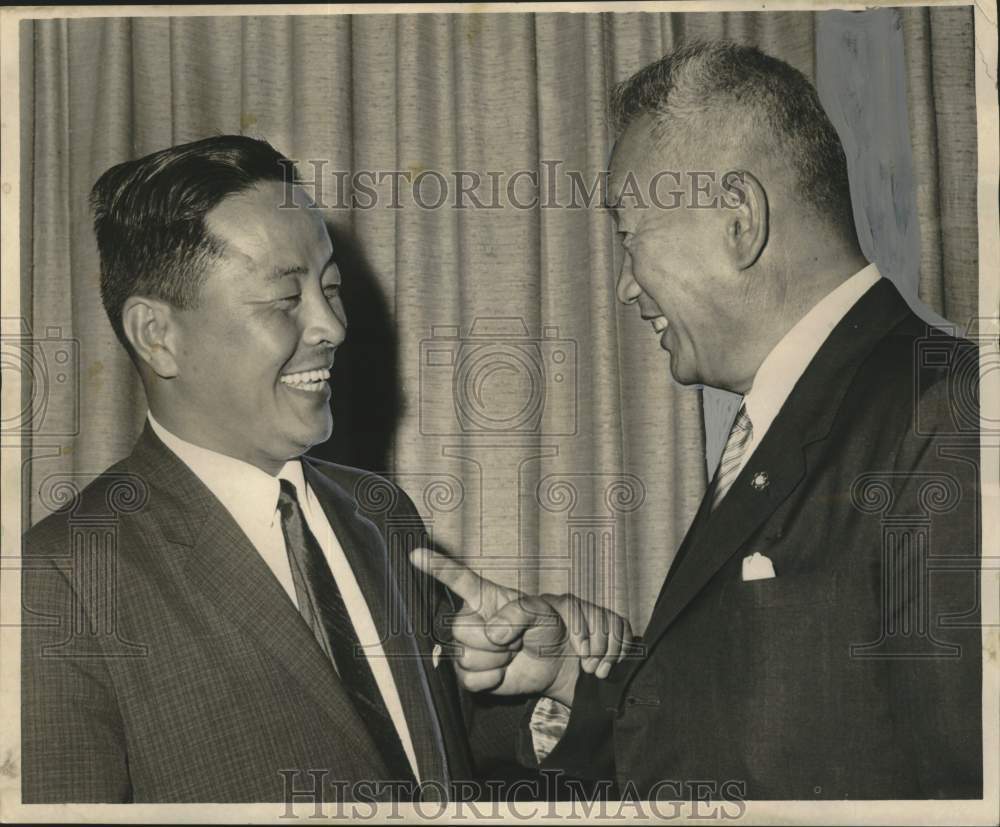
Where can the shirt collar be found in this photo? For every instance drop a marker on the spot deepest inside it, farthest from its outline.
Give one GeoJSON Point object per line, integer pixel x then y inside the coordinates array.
{"type": "Point", "coordinates": [788, 360]}
{"type": "Point", "coordinates": [249, 494]}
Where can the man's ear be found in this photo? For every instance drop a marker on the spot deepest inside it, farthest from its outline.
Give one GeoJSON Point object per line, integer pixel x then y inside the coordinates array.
{"type": "Point", "coordinates": [746, 209]}
{"type": "Point", "coordinates": [151, 329]}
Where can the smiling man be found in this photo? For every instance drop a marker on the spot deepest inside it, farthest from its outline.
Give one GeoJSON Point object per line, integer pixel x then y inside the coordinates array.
{"type": "Point", "coordinates": [802, 647]}
{"type": "Point", "coordinates": [243, 634]}
{"type": "Point", "coordinates": [248, 373]}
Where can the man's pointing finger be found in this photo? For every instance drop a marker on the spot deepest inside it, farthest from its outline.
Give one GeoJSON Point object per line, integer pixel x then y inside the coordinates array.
{"type": "Point", "coordinates": [462, 580]}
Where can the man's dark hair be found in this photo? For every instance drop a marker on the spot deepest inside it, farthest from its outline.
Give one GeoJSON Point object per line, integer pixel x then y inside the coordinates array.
{"type": "Point", "coordinates": [149, 217]}
{"type": "Point", "coordinates": [719, 94]}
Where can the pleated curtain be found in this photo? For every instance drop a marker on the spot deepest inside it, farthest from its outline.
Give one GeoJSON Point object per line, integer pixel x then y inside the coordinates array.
{"type": "Point", "coordinates": [488, 369]}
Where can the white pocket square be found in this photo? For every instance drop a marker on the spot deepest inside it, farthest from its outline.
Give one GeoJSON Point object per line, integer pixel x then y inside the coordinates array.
{"type": "Point", "coordinates": [757, 567]}
{"type": "Point", "coordinates": [436, 655]}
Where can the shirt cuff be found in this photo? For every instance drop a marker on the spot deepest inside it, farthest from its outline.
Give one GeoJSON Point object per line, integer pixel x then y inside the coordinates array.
{"type": "Point", "coordinates": [549, 720]}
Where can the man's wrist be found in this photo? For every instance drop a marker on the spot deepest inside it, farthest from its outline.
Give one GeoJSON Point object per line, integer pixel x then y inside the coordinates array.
{"type": "Point", "coordinates": [563, 688]}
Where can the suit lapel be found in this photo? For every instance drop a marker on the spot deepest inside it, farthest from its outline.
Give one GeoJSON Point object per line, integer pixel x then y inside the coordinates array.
{"type": "Point", "coordinates": [239, 583]}
{"type": "Point", "coordinates": [223, 564]}
{"type": "Point", "coordinates": [717, 535]}
{"type": "Point", "coordinates": [806, 417]}
{"type": "Point", "coordinates": [365, 549]}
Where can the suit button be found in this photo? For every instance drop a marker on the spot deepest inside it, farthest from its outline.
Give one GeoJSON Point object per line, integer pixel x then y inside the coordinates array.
{"type": "Point", "coordinates": [635, 700]}
{"type": "Point", "coordinates": [623, 706]}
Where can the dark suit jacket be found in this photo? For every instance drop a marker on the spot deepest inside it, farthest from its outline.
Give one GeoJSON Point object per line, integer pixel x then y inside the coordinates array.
{"type": "Point", "coordinates": [162, 661]}
{"type": "Point", "coordinates": [856, 671]}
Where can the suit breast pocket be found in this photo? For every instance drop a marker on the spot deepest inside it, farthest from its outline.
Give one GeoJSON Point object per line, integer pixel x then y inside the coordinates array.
{"type": "Point", "coordinates": [793, 591]}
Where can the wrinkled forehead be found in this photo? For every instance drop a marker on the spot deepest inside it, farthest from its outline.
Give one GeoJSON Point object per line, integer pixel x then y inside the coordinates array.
{"type": "Point", "coordinates": [270, 222]}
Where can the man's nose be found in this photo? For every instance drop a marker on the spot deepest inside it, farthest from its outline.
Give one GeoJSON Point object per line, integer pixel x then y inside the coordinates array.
{"type": "Point", "coordinates": [325, 322]}
{"type": "Point", "coordinates": [627, 289]}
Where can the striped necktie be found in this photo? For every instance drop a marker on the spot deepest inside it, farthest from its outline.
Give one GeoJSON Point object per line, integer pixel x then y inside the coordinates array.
{"type": "Point", "coordinates": [732, 456]}
{"type": "Point", "coordinates": [323, 608]}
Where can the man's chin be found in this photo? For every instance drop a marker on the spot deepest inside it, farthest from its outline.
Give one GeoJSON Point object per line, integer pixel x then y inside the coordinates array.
{"type": "Point", "coordinates": [319, 436]}
{"type": "Point", "coordinates": [305, 438]}
{"type": "Point", "coordinates": [680, 372]}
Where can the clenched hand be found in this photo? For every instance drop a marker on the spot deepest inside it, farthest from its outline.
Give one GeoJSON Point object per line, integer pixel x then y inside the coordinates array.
{"type": "Point", "coordinates": [514, 643]}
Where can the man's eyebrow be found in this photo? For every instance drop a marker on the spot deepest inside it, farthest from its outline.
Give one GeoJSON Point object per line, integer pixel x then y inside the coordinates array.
{"type": "Point", "coordinates": [281, 272]}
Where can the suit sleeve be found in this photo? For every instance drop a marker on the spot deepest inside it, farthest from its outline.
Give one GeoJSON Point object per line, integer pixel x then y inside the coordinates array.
{"type": "Point", "coordinates": [72, 737]}
{"type": "Point", "coordinates": [586, 749]}
{"type": "Point", "coordinates": [937, 690]}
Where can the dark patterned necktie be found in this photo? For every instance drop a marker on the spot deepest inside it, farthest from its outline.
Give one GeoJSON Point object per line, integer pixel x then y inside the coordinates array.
{"type": "Point", "coordinates": [322, 606]}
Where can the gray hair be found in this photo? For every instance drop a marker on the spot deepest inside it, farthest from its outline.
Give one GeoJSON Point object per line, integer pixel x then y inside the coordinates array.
{"type": "Point", "coordinates": [723, 96]}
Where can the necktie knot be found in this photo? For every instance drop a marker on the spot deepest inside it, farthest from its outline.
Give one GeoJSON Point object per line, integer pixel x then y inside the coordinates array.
{"type": "Point", "coordinates": [288, 500]}
{"type": "Point", "coordinates": [742, 422]}
{"type": "Point", "coordinates": [732, 457]}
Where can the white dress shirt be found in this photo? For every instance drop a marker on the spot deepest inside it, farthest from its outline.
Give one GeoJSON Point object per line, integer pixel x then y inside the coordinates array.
{"type": "Point", "coordinates": [250, 495]}
{"type": "Point", "coordinates": [784, 365]}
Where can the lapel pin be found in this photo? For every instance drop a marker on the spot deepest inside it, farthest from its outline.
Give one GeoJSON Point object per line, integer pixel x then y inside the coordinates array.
{"type": "Point", "coordinates": [759, 481]}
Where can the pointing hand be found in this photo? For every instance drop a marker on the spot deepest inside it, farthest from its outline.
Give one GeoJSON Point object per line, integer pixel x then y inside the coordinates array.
{"type": "Point", "coordinates": [513, 643]}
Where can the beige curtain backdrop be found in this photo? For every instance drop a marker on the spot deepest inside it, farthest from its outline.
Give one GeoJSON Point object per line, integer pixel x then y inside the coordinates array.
{"type": "Point", "coordinates": [596, 495]}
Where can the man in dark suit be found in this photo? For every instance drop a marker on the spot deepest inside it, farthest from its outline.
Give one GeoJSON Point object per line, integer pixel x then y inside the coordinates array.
{"type": "Point", "coordinates": [217, 617]}
{"type": "Point", "coordinates": [818, 633]}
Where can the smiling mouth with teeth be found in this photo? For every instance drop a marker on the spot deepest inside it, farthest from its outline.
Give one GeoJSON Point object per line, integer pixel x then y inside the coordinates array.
{"type": "Point", "coordinates": [306, 380]}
